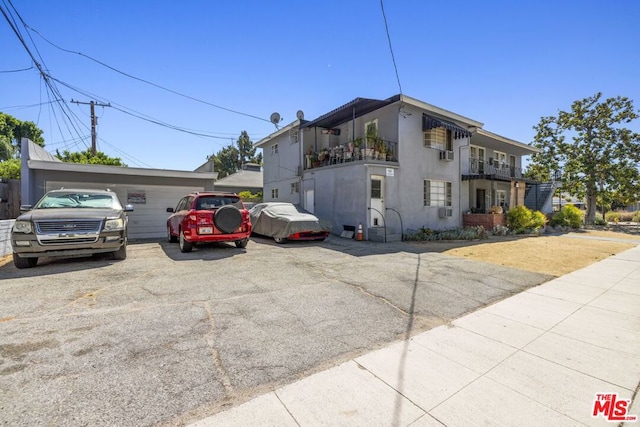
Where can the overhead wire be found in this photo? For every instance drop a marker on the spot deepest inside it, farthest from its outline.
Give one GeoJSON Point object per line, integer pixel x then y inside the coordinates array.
{"type": "Point", "coordinates": [137, 114]}
{"type": "Point", "coordinates": [147, 81]}
{"type": "Point", "coordinates": [21, 107]}
{"type": "Point", "coordinates": [126, 155]}
{"type": "Point", "coordinates": [17, 71]}
{"type": "Point", "coordinates": [393, 58]}
{"type": "Point", "coordinates": [51, 88]}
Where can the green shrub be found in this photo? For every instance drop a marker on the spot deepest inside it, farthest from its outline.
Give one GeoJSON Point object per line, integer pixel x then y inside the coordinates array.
{"type": "Point", "coordinates": [612, 216]}
{"type": "Point", "coordinates": [599, 219]}
{"type": "Point", "coordinates": [538, 220]}
{"type": "Point", "coordinates": [620, 216]}
{"type": "Point", "coordinates": [427, 234]}
{"type": "Point", "coordinates": [569, 216]}
{"type": "Point", "coordinates": [636, 216]}
{"type": "Point", "coordinates": [521, 219]}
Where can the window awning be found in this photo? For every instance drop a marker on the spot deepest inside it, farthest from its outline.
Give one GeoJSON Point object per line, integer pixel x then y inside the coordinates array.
{"type": "Point", "coordinates": [430, 122]}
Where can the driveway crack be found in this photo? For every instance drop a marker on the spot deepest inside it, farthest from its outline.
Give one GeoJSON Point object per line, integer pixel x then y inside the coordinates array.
{"type": "Point", "coordinates": [225, 381]}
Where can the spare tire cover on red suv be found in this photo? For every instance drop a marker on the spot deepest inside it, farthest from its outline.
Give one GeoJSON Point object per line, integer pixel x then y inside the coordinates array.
{"type": "Point", "coordinates": [227, 219]}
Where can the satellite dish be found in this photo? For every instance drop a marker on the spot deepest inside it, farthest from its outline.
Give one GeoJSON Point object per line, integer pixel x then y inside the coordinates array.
{"type": "Point", "coordinates": [300, 115]}
{"type": "Point", "coordinates": [275, 118]}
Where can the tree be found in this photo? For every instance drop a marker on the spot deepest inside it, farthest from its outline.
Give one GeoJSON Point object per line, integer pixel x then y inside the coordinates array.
{"type": "Point", "coordinates": [595, 153]}
{"type": "Point", "coordinates": [231, 158]}
{"type": "Point", "coordinates": [12, 131]}
{"type": "Point", "coordinates": [88, 158]}
{"type": "Point", "coordinates": [10, 169]}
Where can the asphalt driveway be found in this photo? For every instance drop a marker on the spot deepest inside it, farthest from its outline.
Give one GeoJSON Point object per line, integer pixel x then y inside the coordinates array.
{"type": "Point", "coordinates": [165, 338]}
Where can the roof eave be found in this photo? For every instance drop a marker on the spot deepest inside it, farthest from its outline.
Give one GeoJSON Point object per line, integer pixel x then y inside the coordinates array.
{"type": "Point", "coordinates": [509, 141]}
{"type": "Point", "coordinates": [276, 134]}
{"type": "Point", "coordinates": [117, 170]}
{"type": "Point", "coordinates": [440, 111]}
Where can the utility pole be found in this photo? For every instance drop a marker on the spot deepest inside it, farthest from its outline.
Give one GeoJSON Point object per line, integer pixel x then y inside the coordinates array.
{"type": "Point", "coordinates": [94, 121]}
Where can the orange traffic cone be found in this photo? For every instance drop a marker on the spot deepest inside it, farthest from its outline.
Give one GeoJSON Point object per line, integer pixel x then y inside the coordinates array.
{"type": "Point", "coordinates": [360, 234]}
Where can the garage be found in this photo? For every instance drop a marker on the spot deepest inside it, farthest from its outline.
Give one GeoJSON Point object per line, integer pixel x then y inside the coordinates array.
{"type": "Point", "coordinates": [150, 191]}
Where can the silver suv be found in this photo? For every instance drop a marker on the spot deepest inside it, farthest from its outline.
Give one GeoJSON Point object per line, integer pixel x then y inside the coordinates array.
{"type": "Point", "coordinates": [67, 223]}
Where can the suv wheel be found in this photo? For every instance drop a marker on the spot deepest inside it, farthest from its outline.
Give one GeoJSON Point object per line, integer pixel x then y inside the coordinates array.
{"type": "Point", "coordinates": [280, 240]}
{"type": "Point", "coordinates": [121, 253]}
{"type": "Point", "coordinates": [242, 243]}
{"type": "Point", "coordinates": [170, 237]}
{"type": "Point", "coordinates": [184, 245]}
{"type": "Point", "coordinates": [24, 262]}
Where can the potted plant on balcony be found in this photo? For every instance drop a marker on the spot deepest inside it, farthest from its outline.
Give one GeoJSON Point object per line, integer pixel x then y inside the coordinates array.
{"type": "Point", "coordinates": [381, 149]}
{"type": "Point", "coordinates": [372, 141]}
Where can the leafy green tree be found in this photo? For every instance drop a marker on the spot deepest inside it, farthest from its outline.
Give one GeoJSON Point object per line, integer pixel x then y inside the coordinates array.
{"type": "Point", "coordinates": [88, 158]}
{"type": "Point", "coordinates": [12, 131]}
{"type": "Point", "coordinates": [593, 150]}
{"type": "Point", "coordinates": [231, 158]}
{"type": "Point", "coordinates": [10, 169]}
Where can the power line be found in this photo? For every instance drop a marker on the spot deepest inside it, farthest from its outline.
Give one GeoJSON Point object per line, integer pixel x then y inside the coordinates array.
{"type": "Point", "coordinates": [146, 81]}
{"type": "Point", "coordinates": [16, 71]}
{"type": "Point", "coordinates": [393, 58]}
{"type": "Point", "coordinates": [50, 85]}
{"type": "Point", "coordinates": [139, 115]}
{"type": "Point", "coordinates": [20, 107]}
{"type": "Point", "coordinates": [127, 156]}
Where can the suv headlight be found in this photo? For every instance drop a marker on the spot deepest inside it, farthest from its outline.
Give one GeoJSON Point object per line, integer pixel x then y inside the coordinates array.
{"type": "Point", "coordinates": [114, 224]}
{"type": "Point", "coordinates": [22, 227]}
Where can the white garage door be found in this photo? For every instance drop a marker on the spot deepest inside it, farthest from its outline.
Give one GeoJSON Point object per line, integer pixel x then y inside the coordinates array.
{"type": "Point", "coordinates": [150, 203]}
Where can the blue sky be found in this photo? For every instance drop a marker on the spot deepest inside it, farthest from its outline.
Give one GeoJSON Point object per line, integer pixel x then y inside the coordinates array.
{"type": "Point", "coordinates": [503, 63]}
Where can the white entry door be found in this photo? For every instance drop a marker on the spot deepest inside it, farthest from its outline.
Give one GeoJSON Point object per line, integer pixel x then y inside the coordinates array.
{"type": "Point", "coordinates": [377, 200]}
{"type": "Point", "coordinates": [309, 200]}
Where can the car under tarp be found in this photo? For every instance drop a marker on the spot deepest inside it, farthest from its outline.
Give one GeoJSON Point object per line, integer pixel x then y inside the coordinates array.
{"type": "Point", "coordinates": [280, 220]}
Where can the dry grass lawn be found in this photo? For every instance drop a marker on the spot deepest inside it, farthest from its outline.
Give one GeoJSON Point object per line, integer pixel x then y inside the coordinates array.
{"type": "Point", "coordinates": [554, 255]}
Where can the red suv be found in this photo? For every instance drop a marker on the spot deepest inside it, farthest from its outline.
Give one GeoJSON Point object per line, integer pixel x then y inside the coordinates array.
{"type": "Point", "coordinates": [209, 217]}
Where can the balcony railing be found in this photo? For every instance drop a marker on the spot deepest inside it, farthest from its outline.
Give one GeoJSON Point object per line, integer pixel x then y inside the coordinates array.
{"type": "Point", "coordinates": [385, 151]}
{"type": "Point", "coordinates": [494, 169]}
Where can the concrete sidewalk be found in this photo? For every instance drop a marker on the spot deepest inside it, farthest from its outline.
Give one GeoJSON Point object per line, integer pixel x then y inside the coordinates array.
{"type": "Point", "coordinates": [537, 358]}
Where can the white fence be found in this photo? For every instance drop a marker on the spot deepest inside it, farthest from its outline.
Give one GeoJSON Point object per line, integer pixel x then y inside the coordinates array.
{"type": "Point", "coordinates": [5, 236]}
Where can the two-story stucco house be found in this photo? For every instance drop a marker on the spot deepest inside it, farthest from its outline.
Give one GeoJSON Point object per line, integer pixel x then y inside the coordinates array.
{"type": "Point", "coordinates": [398, 162]}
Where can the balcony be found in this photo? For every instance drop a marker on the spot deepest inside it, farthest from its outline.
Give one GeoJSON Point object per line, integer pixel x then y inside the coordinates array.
{"type": "Point", "coordinates": [381, 152]}
{"type": "Point", "coordinates": [479, 169]}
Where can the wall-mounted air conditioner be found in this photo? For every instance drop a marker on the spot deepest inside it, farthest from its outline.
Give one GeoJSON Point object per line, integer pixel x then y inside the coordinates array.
{"type": "Point", "coordinates": [445, 212]}
{"type": "Point", "coordinates": [446, 155]}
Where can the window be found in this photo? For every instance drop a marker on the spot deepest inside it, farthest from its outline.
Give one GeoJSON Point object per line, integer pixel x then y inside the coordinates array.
{"type": "Point", "coordinates": [500, 160]}
{"type": "Point", "coordinates": [274, 193]}
{"type": "Point", "coordinates": [376, 189]}
{"type": "Point", "coordinates": [371, 129]}
{"type": "Point", "coordinates": [274, 149]}
{"type": "Point", "coordinates": [439, 138]}
{"type": "Point", "coordinates": [501, 198]}
{"type": "Point", "coordinates": [295, 187]}
{"type": "Point", "coordinates": [436, 193]}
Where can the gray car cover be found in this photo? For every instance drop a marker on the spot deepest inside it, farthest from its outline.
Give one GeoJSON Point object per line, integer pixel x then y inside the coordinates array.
{"type": "Point", "coordinates": [283, 219]}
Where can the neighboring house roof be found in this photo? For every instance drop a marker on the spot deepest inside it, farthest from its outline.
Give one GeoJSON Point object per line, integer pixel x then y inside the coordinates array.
{"type": "Point", "coordinates": [246, 178]}
{"type": "Point", "coordinates": [39, 158]}
{"type": "Point", "coordinates": [568, 199]}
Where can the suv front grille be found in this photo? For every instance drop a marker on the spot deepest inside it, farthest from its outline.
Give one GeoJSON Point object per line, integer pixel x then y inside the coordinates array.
{"type": "Point", "coordinates": [68, 226]}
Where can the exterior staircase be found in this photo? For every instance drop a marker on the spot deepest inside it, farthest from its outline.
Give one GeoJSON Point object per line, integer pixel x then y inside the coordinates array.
{"type": "Point", "coordinates": [538, 196]}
